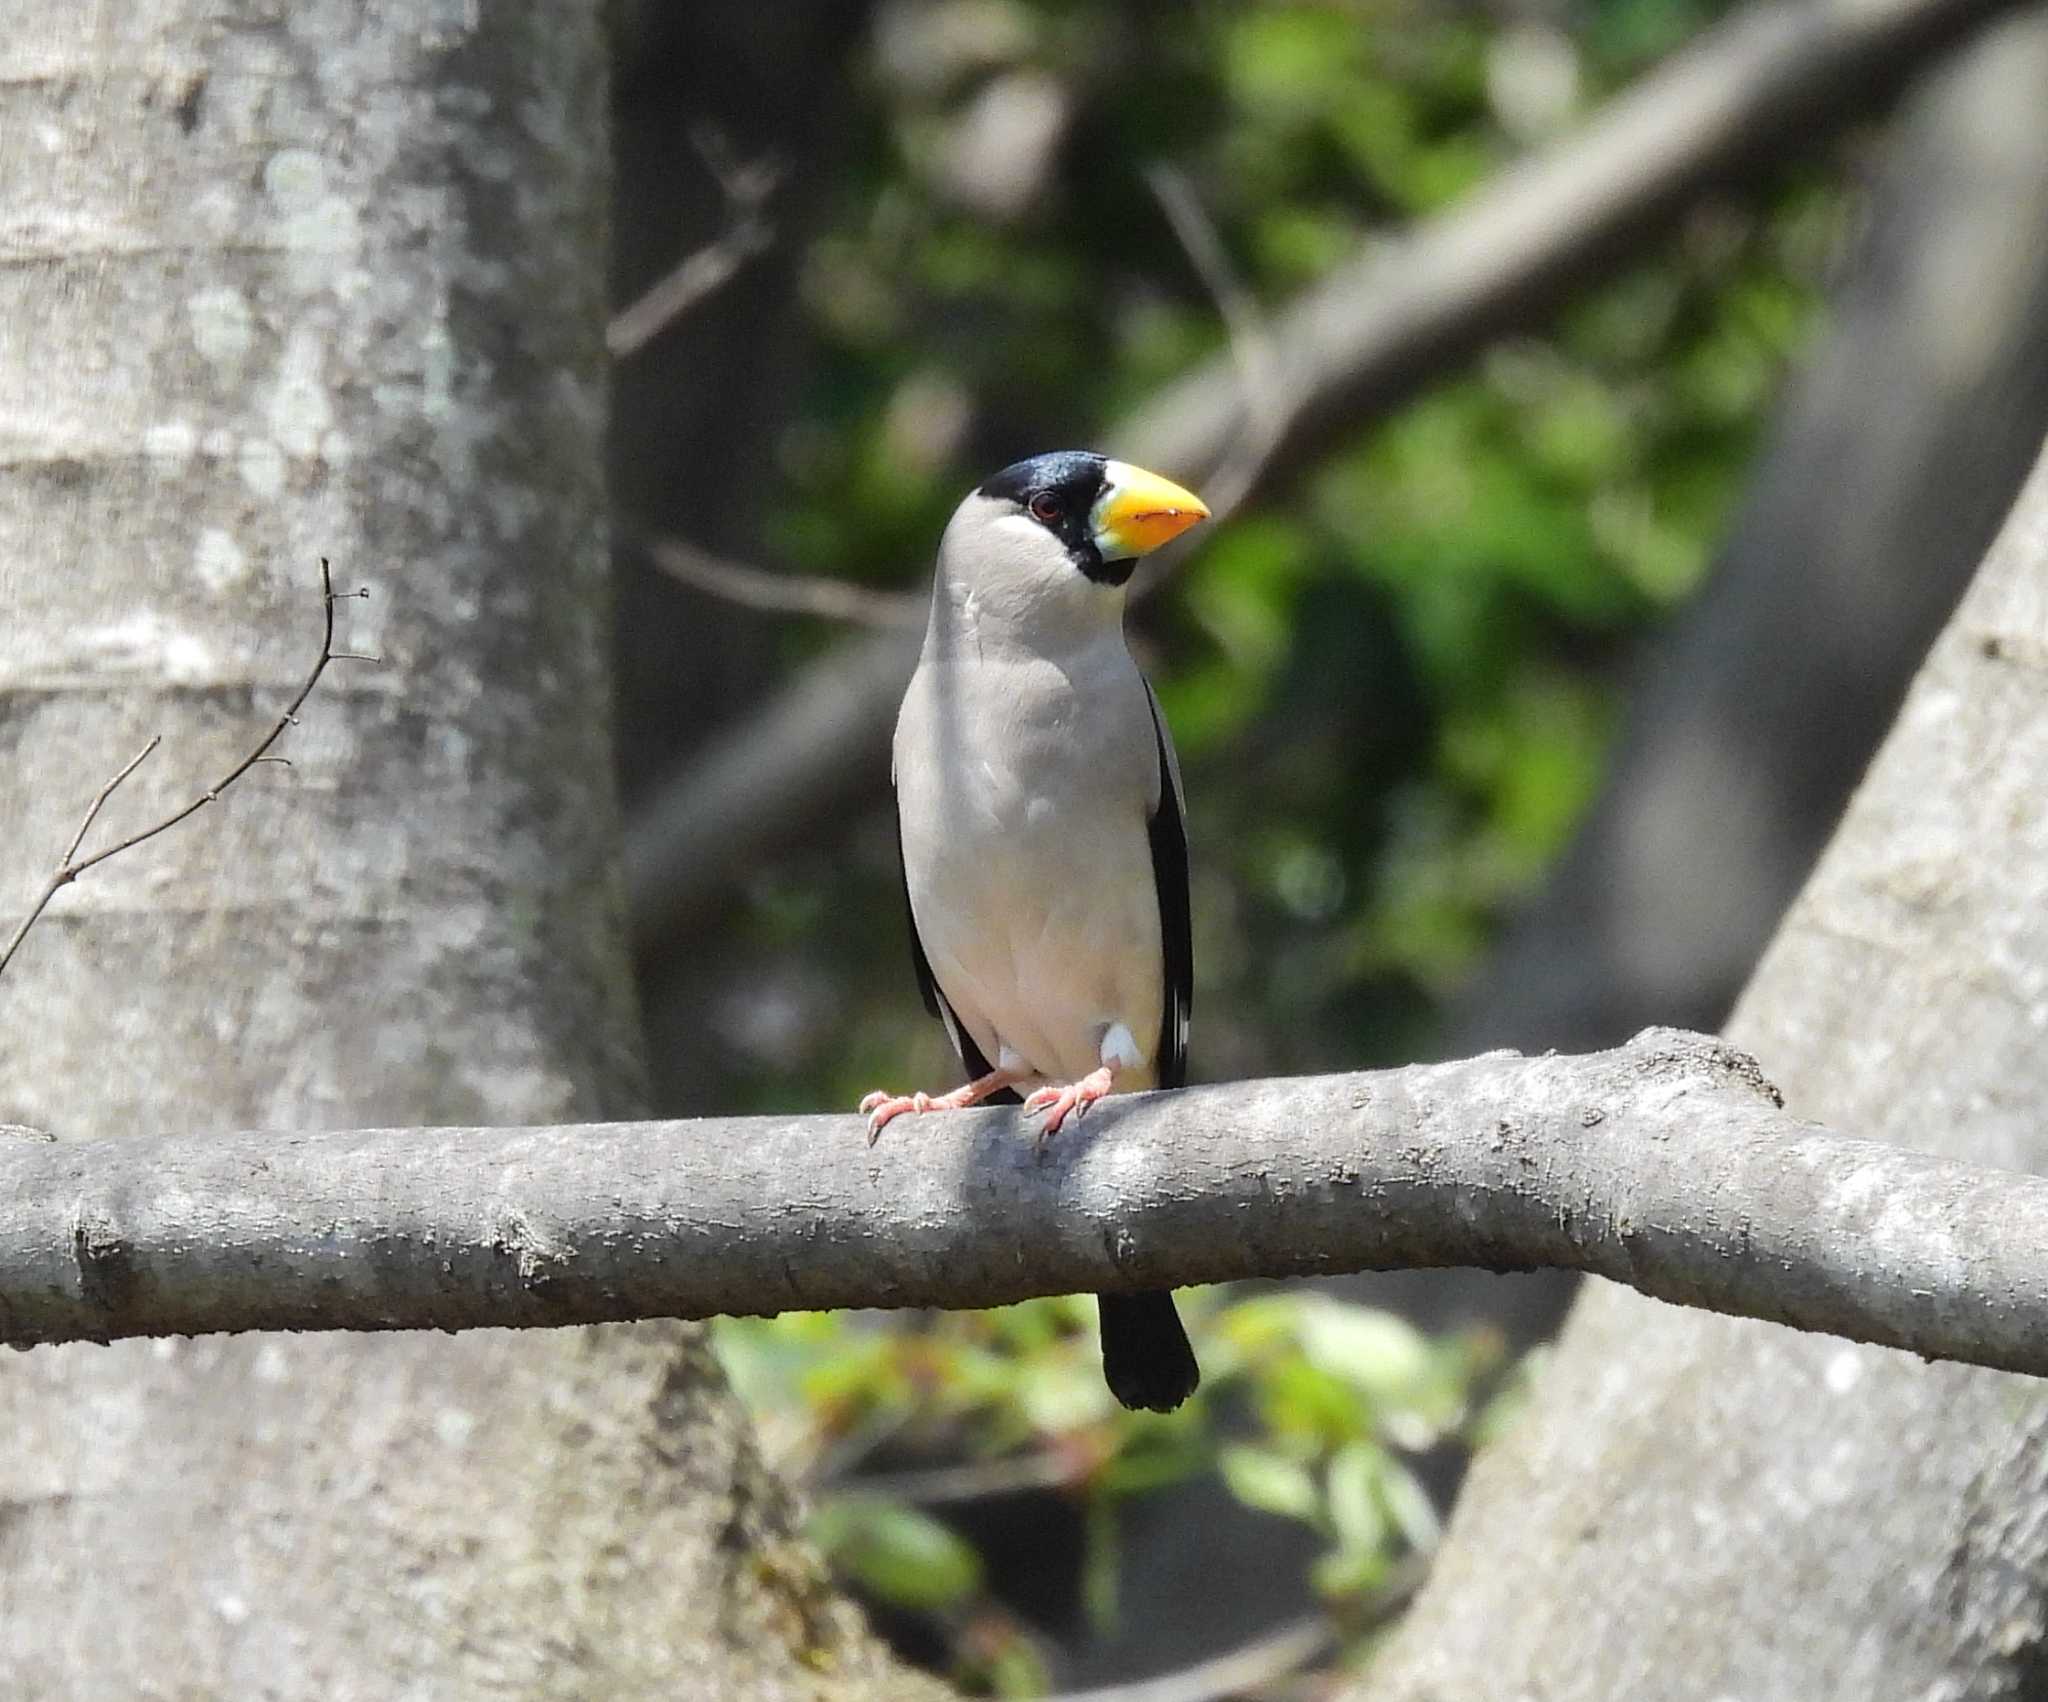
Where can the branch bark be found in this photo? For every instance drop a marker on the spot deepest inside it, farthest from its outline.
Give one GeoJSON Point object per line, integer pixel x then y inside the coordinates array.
{"type": "Point", "coordinates": [1774, 79]}
{"type": "Point", "coordinates": [1668, 1164]}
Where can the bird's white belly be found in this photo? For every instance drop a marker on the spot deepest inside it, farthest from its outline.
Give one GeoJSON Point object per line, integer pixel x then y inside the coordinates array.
{"type": "Point", "coordinates": [1043, 933]}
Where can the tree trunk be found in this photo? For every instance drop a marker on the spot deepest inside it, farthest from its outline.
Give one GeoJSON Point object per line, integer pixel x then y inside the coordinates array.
{"type": "Point", "coordinates": [697, 411]}
{"type": "Point", "coordinates": [1694, 1507]}
{"type": "Point", "coordinates": [283, 283]}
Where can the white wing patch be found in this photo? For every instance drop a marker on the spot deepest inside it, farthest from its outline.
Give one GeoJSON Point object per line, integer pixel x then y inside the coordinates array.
{"type": "Point", "coordinates": [1120, 1049]}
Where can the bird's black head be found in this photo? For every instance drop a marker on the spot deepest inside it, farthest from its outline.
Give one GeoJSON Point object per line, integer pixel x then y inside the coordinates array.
{"type": "Point", "coordinates": [1060, 491]}
{"type": "Point", "coordinates": [1102, 514]}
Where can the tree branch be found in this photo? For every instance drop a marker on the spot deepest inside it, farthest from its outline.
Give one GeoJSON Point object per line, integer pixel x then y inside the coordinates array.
{"type": "Point", "coordinates": [1772, 80]}
{"type": "Point", "coordinates": [706, 270]}
{"type": "Point", "coordinates": [817, 747]}
{"type": "Point", "coordinates": [751, 587]}
{"type": "Point", "coordinates": [72, 865]}
{"type": "Point", "coordinates": [826, 599]}
{"type": "Point", "coordinates": [1242, 1670]}
{"type": "Point", "coordinates": [1255, 359]}
{"type": "Point", "coordinates": [1777, 77]}
{"type": "Point", "coordinates": [1666, 1164]}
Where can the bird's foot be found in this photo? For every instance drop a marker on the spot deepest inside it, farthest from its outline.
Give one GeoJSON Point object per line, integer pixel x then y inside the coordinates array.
{"type": "Point", "coordinates": [882, 1107]}
{"type": "Point", "coordinates": [1073, 1100]}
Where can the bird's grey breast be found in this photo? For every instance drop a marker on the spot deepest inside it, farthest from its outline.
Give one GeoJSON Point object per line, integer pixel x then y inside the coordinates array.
{"type": "Point", "coordinates": [1024, 784]}
{"type": "Point", "coordinates": [992, 746]}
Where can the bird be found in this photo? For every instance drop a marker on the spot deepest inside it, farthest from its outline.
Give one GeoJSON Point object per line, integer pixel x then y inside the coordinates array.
{"type": "Point", "coordinates": [1042, 830]}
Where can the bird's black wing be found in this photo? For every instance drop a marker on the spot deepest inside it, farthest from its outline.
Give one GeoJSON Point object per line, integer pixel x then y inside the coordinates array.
{"type": "Point", "coordinates": [1169, 835]}
{"type": "Point", "coordinates": [1146, 1355]}
{"type": "Point", "coordinates": [928, 985]}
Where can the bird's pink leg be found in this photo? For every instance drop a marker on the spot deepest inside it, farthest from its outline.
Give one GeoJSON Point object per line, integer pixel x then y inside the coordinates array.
{"type": "Point", "coordinates": [882, 1107]}
{"type": "Point", "coordinates": [1073, 1100]}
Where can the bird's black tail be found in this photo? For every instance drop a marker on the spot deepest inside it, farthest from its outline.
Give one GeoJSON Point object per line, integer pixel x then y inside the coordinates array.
{"type": "Point", "coordinates": [1146, 1359]}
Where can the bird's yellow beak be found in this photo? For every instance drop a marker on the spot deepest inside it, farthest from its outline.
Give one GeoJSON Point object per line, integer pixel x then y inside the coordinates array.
{"type": "Point", "coordinates": [1138, 511]}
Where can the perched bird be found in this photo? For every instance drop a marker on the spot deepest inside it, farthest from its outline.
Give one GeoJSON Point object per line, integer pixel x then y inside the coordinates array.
{"type": "Point", "coordinates": [1039, 815]}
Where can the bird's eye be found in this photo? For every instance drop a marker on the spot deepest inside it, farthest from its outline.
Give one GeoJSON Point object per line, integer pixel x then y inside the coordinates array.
{"type": "Point", "coordinates": [1046, 507]}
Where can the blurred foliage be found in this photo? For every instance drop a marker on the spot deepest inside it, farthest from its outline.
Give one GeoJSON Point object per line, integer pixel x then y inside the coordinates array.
{"type": "Point", "coordinates": [1393, 683]}
{"type": "Point", "coordinates": [1310, 1409]}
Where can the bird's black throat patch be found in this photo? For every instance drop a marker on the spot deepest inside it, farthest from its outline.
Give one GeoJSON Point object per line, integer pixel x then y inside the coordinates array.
{"type": "Point", "coordinates": [1074, 479]}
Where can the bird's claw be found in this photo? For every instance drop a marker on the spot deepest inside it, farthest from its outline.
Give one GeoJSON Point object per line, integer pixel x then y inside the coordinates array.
{"type": "Point", "coordinates": [883, 1107]}
{"type": "Point", "coordinates": [1073, 1100]}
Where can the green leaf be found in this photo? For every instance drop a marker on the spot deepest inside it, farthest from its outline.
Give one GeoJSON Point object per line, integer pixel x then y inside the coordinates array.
{"type": "Point", "coordinates": [1063, 1394]}
{"type": "Point", "coordinates": [1281, 63]}
{"type": "Point", "coordinates": [1348, 1572]}
{"type": "Point", "coordinates": [1155, 1452]}
{"type": "Point", "coordinates": [904, 1556]}
{"type": "Point", "coordinates": [1268, 1481]}
{"type": "Point", "coordinates": [1409, 1506]}
{"type": "Point", "coordinates": [1382, 1354]}
{"type": "Point", "coordinates": [1261, 1323]}
{"type": "Point", "coordinates": [1099, 1563]}
{"type": "Point", "coordinates": [1351, 1488]}
{"type": "Point", "coordinates": [1016, 1669]}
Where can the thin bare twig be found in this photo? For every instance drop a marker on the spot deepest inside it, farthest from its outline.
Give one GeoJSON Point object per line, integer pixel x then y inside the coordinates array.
{"type": "Point", "coordinates": [831, 599]}
{"type": "Point", "coordinates": [99, 802]}
{"type": "Point", "coordinates": [706, 270]}
{"type": "Point", "coordinates": [1264, 1659]}
{"type": "Point", "coordinates": [779, 593]}
{"type": "Point", "coordinates": [971, 1480]}
{"type": "Point", "coordinates": [1253, 350]}
{"type": "Point", "coordinates": [73, 865]}
{"type": "Point", "coordinates": [1273, 1655]}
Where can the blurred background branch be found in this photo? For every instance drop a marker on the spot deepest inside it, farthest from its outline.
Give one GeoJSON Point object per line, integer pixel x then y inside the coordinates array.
{"type": "Point", "coordinates": [809, 595]}
{"type": "Point", "coordinates": [747, 233]}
